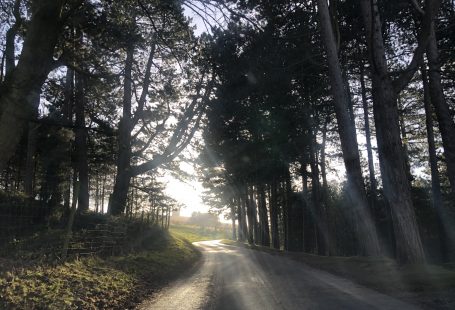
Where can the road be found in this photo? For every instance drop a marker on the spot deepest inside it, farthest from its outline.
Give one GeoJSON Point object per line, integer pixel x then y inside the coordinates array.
{"type": "Point", "coordinates": [231, 277]}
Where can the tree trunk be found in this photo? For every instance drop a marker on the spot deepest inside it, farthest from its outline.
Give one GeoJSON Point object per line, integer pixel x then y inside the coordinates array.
{"type": "Point", "coordinates": [68, 117]}
{"type": "Point", "coordinates": [446, 230]}
{"type": "Point", "coordinates": [234, 231]}
{"type": "Point", "coordinates": [10, 38]}
{"type": "Point", "coordinates": [103, 188]}
{"type": "Point", "coordinates": [274, 214]}
{"type": "Point", "coordinates": [263, 218]}
{"type": "Point", "coordinates": [319, 212]}
{"type": "Point", "coordinates": [25, 81]}
{"type": "Point", "coordinates": [122, 181]}
{"type": "Point", "coordinates": [243, 214]}
{"type": "Point", "coordinates": [32, 137]}
{"type": "Point", "coordinates": [396, 185]}
{"type": "Point", "coordinates": [404, 139]}
{"type": "Point", "coordinates": [250, 214]}
{"type": "Point", "coordinates": [97, 194]}
{"type": "Point", "coordinates": [254, 213]}
{"type": "Point", "coordinates": [240, 235]}
{"type": "Point", "coordinates": [81, 145]}
{"type": "Point", "coordinates": [323, 161]}
{"type": "Point", "coordinates": [309, 237]}
{"type": "Point", "coordinates": [445, 120]}
{"type": "Point", "coordinates": [365, 228]}
{"type": "Point", "coordinates": [366, 116]}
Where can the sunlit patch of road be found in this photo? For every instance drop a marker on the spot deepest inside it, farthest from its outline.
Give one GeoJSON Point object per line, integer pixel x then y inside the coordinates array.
{"type": "Point", "coordinates": [232, 278]}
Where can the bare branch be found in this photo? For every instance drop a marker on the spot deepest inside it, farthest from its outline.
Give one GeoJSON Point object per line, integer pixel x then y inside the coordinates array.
{"type": "Point", "coordinates": [424, 35]}
{"type": "Point", "coordinates": [417, 7]}
{"type": "Point", "coordinates": [179, 140]}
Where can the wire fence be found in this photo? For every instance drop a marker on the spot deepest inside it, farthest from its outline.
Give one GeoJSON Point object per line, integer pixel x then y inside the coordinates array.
{"type": "Point", "coordinates": [29, 231]}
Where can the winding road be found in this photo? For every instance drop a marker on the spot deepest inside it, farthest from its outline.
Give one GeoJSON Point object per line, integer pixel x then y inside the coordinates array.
{"type": "Point", "coordinates": [231, 277]}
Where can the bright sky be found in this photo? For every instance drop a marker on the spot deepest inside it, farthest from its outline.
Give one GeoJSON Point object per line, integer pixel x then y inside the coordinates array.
{"type": "Point", "coordinates": [187, 193]}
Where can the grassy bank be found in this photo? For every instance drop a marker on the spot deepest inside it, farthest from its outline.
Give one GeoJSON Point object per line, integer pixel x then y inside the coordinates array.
{"type": "Point", "coordinates": [117, 282]}
{"type": "Point", "coordinates": [431, 286]}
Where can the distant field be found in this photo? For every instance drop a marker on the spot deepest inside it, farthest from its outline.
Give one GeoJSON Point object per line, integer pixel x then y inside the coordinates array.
{"type": "Point", "coordinates": [195, 233]}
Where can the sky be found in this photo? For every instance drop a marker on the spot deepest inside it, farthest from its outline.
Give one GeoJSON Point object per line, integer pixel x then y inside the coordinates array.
{"type": "Point", "coordinates": [188, 193]}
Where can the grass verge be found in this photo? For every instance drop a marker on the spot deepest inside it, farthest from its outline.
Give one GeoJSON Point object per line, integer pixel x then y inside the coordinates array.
{"type": "Point", "coordinates": [94, 283]}
{"type": "Point", "coordinates": [431, 286]}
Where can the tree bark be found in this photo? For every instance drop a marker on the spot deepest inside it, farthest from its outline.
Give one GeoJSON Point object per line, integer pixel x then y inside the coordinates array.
{"type": "Point", "coordinates": [233, 216]}
{"type": "Point", "coordinates": [404, 139]}
{"type": "Point", "coordinates": [254, 213]}
{"type": "Point", "coordinates": [446, 230]}
{"type": "Point", "coordinates": [30, 163]}
{"type": "Point", "coordinates": [25, 81]}
{"type": "Point", "coordinates": [240, 235]}
{"type": "Point", "coordinates": [250, 214]}
{"type": "Point", "coordinates": [29, 178]}
{"type": "Point", "coordinates": [274, 214]}
{"type": "Point", "coordinates": [81, 145]}
{"type": "Point", "coordinates": [323, 161]}
{"type": "Point", "coordinates": [243, 215]}
{"type": "Point", "coordinates": [10, 38]}
{"type": "Point", "coordinates": [396, 185]}
{"type": "Point", "coordinates": [68, 117]}
{"type": "Point", "coordinates": [309, 236]}
{"type": "Point", "coordinates": [366, 116]}
{"type": "Point", "coordinates": [122, 181]}
{"type": "Point", "coordinates": [103, 191]}
{"type": "Point", "coordinates": [319, 212]}
{"type": "Point", "coordinates": [365, 228]}
{"type": "Point", "coordinates": [263, 218]}
{"type": "Point", "coordinates": [446, 123]}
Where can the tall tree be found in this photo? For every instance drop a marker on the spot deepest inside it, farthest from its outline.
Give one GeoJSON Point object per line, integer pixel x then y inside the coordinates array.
{"type": "Point", "coordinates": [397, 189]}
{"type": "Point", "coordinates": [366, 232]}
{"type": "Point", "coordinates": [25, 81]}
{"type": "Point", "coordinates": [446, 230]}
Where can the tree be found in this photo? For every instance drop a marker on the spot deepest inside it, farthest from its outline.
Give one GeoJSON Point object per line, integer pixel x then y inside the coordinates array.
{"type": "Point", "coordinates": [366, 228]}
{"type": "Point", "coordinates": [392, 162]}
{"type": "Point", "coordinates": [23, 82]}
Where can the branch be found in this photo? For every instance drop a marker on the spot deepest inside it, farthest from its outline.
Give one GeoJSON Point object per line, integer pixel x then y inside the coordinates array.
{"type": "Point", "coordinates": [427, 23]}
{"type": "Point", "coordinates": [103, 125]}
{"type": "Point", "coordinates": [417, 7]}
{"type": "Point", "coordinates": [158, 129]}
{"type": "Point", "coordinates": [145, 86]}
{"type": "Point", "coordinates": [179, 140]}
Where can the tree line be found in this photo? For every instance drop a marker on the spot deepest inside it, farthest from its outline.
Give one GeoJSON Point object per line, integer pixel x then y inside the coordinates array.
{"type": "Point", "coordinates": [297, 85]}
{"type": "Point", "coordinates": [95, 96]}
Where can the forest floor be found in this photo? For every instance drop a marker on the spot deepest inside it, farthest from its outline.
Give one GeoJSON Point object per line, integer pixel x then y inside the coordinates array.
{"type": "Point", "coordinates": [116, 282]}
{"type": "Point", "coordinates": [429, 286]}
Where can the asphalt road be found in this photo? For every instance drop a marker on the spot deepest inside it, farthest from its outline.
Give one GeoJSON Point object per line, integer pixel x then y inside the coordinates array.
{"type": "Point", "coordinates": [234, 278]}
